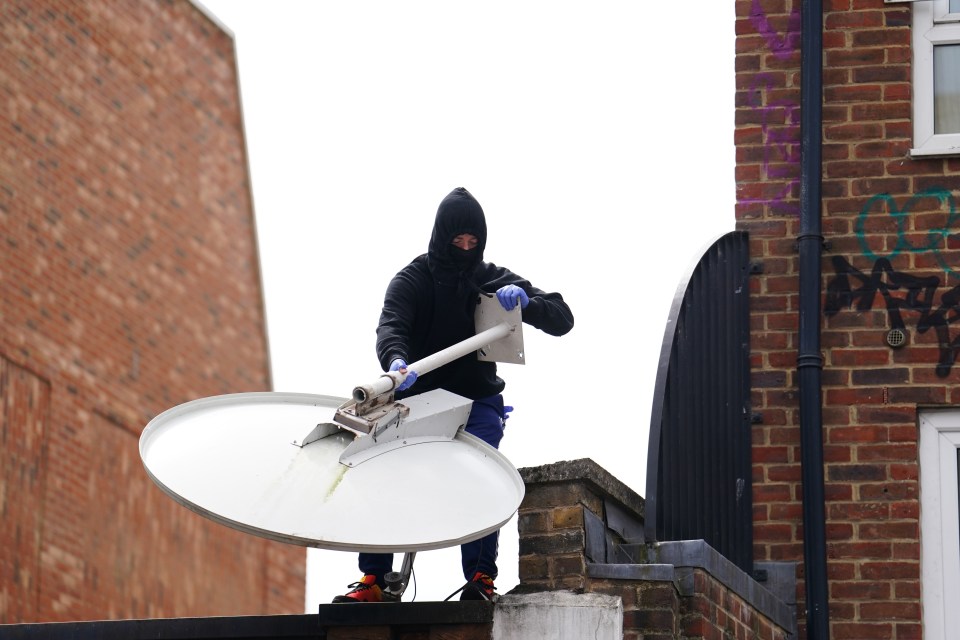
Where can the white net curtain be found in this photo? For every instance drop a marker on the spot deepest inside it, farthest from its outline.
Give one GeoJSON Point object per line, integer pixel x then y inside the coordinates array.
{"type": "Point", "coordinates": [946, 82]}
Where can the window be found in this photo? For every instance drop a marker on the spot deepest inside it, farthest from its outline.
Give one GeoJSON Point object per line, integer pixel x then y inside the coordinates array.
{"type": "Point", "coordinates": [940, 522]}
{"type": "Point", "coordinates": [936, 78]}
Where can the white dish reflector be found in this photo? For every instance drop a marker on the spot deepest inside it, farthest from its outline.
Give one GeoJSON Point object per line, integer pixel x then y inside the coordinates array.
{"type": "Point", "coordinates": [236, 460]}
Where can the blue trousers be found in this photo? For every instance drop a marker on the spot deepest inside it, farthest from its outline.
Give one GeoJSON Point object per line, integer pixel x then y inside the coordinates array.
{"type": "Point", "coordinates": [485, 422]}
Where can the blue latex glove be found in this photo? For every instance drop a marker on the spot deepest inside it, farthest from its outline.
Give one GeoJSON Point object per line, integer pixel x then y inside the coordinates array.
{"type": "Point", "coordinates": [506, 412]}
{"type": "Point", "coordinates": [509, 295]}
{"type": "Point", "coordinates": [400, 365]}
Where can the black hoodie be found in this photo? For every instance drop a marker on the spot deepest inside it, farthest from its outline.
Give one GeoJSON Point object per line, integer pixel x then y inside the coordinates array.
{"type": "Point", "coordinates": [429, 305]}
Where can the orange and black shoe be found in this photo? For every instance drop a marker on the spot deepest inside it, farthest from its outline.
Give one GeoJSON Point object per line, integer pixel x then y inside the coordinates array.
{"type": "Point", "coordinates": [367, 590]}
{"type": "Point", "coordinates": [479, 588]}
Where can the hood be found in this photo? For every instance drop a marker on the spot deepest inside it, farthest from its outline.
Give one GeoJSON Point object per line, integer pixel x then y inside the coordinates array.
{"type": "Point", "coordinates": [458, 213]}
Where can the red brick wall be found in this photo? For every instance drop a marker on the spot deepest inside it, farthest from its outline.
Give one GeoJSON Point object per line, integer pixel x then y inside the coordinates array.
{"type": "Point", "coordinates": [871, 392]}
{"type": "Point", "coordinates": [718, 613]}
{"type": "Point", "coordinates": [129, 283]}
{"type": "Point", "coordinates": [555, 549]}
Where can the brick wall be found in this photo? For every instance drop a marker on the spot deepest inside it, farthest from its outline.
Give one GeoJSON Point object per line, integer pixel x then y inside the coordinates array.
{"type": "Point", "coordinates": [129, 283]}
{"type": "Point", "coordinates": [575, 531]}
{"type": "Point", "coordinates": [878, 266]}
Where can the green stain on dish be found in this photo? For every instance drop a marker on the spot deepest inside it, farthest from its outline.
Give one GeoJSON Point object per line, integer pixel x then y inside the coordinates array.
{"type": "Point", "coordinates": [336, 481]}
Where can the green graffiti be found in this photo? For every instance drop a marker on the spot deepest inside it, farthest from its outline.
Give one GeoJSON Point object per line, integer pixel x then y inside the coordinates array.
{"type": "Point", "coordinates": [936, 239]}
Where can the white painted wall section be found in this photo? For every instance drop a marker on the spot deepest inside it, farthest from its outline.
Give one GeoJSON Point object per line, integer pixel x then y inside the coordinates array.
{"type": "Point", "coordinates": [558, 614]}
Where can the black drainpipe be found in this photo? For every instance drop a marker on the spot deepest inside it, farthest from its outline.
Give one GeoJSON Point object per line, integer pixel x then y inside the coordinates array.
{"type": "Point", "coordinates": [809, 360]}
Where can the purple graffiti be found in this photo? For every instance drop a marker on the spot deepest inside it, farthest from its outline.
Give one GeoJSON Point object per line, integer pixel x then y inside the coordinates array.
{"type": "Point", "coordinates": [781, 46]}
{"type": "Point", "coordinates": [780, 127]}
{"type": "Point", "coordinates": [779, 118]}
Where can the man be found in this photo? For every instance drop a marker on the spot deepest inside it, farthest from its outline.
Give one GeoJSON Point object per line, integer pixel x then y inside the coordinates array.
{"type": "Point", "coordinates": [429, 305]}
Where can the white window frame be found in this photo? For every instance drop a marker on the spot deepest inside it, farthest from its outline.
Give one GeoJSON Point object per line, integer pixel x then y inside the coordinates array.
{"type": "Point", "coordinates": [932, 25]}
{"type": "Point", "coordinates": [939, 523]}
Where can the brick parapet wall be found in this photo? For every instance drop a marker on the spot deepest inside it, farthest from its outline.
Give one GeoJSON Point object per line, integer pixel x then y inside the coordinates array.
{"type": "Point", "coordinates": [889, 260]}
{"type": "Point", "coordinates": [716, 612]}
{"type": "Point", "coordinates": [130, 283]}
{"type": "Point", "coordinates": [558, 551]}
{"type": "Point", "coordinates": [552, 536]}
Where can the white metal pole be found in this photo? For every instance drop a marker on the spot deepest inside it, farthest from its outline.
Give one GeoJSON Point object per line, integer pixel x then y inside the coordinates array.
{"type": "Point", "coordinates": [390, 380]}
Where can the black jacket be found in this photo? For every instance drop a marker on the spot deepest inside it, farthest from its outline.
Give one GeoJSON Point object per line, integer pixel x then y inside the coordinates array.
{"type": "Point", "coordinates": [429, 305]}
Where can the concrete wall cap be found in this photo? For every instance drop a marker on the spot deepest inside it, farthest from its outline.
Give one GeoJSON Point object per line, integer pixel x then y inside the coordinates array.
{"type": "Point", "coordinates": [587, 471]}
{"type": "Point", "coordinates": [559, 599]}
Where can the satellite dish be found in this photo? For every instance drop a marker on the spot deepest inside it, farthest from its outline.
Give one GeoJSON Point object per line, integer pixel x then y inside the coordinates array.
{"type": "Point", "coordinates": [367, 474]}
{"type": "Point", "coordinates": [236, 459]}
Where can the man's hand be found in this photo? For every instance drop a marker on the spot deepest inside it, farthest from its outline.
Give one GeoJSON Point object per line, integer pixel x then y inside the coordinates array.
{"type": "Point", "coordinates": [509, 295]}
{"type": "Point", "coordinates": [400, 365]}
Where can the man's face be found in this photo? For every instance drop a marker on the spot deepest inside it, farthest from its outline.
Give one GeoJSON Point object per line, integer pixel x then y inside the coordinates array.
{"type": "Point", "coordinates": [465, 241]}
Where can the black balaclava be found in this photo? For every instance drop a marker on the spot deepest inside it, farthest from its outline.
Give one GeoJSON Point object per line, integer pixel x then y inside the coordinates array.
{"type": "Point", "coordinates": [458, 213]}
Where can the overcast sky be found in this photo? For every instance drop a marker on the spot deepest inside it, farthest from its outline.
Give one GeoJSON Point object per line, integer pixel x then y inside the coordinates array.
{"type": "Point", "coordinates": [597, 136]}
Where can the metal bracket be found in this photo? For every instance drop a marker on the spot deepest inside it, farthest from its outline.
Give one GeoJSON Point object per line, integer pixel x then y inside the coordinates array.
{"type": "Point", "coordinates": [491, 313]}
{"type": "Point", "coordinates": [429, 417]}
{"type": "Point", "coordinates": [364, 420]}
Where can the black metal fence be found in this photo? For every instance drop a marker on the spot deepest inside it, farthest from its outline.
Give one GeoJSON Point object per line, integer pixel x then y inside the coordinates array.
{"type": "Point", "coordinates": [698, 468]}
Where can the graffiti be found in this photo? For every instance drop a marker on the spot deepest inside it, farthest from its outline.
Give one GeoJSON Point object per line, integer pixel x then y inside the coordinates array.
{"type": "Point", "coordinates": [780, 127]}
{"type": "Point", "coordinates": [778, 118]}
{"type": "Point", "coordinates": [781, 46]}
{"type": "Point", "coordinates": [901, 292]}
{"type": "Point", "coordinates": [936, 238]}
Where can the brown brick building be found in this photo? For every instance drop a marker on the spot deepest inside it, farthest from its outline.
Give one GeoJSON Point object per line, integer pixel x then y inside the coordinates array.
{"type": "Point", "coordinates": [890, 173]}
{"type": "Point", "coordinates": [129, 283]}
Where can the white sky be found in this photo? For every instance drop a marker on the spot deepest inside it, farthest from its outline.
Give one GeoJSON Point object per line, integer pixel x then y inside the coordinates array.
{"type": "Point", "coordinates": [597, 136]}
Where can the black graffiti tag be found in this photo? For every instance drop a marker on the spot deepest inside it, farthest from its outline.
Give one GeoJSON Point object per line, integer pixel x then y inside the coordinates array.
{"type": "Point", "coordinates": [901, 292]}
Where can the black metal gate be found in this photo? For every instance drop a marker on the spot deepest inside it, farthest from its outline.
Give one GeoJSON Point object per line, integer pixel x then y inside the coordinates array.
{"type": "Point", "coordinates": [698, 468]}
